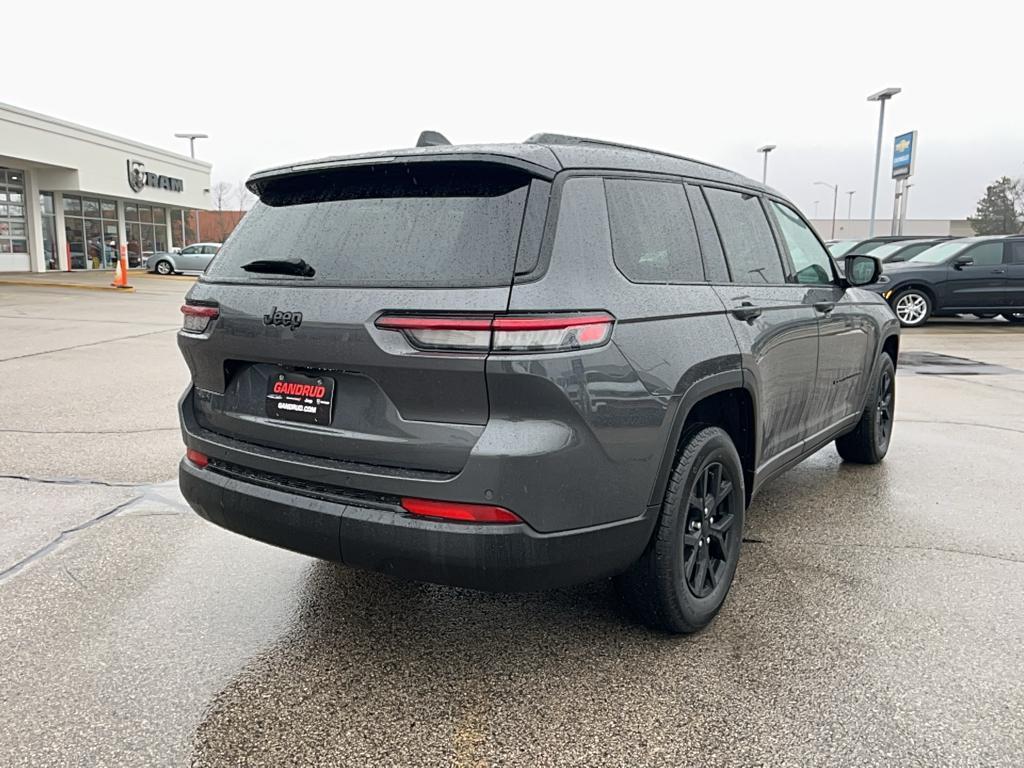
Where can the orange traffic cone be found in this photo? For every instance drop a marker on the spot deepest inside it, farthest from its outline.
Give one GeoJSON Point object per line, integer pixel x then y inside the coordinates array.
{"type": "Point", "coordinates": [121, 275]}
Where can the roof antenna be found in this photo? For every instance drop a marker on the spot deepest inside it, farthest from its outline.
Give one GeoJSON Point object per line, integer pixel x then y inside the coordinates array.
{"type": "Point", "coordinates": [431, 139]}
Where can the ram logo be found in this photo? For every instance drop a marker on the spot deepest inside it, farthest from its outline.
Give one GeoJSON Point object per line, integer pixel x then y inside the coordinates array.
{"type": "Point", "coordinates": [136, 175]}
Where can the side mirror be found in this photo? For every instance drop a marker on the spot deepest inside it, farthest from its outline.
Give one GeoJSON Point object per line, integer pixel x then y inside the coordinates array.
{"type": "Point", "coordinates": [862, 270]}
{"type": "Point", "coordinates": [964, 262]}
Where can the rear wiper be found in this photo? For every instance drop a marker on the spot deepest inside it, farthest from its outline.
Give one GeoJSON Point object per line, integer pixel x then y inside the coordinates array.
{"type": "Point", "coordinates": [297, 267]}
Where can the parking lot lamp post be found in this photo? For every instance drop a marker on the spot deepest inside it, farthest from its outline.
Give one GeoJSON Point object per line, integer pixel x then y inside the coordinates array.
{"type": "Point", "coordinates": [835, 202]}
{"type": "Point", "coordinates": [849, 206]}
{"type": "Point", "coordinates": [881, 97]}
{"type": "Point", "coordinates": [192, 151]}
{"type": "Point", "coordinates": [765, 150]}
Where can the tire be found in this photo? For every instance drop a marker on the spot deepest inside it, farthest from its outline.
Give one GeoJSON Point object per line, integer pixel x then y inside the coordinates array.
{"type": "Point", "coordinates": [869, 441]}
{"type": "Point", "coordinates": [1014, 317]}
{"type": "Point", "coordinates": [681, 581]}
{"type": "Point", "coordinates": [163, 267]}
{"type": "Point", "coordinates": [912, 307]}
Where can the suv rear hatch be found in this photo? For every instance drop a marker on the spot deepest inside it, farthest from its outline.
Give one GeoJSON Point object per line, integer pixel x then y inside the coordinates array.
{"type": "Point", "coordinates": [298, 288]}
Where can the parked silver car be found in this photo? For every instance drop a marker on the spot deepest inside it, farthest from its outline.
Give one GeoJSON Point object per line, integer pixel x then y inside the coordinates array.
{"type": "Point", "coordinates": [191, 258]}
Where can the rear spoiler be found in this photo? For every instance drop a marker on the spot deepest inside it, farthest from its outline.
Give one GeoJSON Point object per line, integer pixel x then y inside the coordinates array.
{"type": "Point", "coordinates": [258, 182]}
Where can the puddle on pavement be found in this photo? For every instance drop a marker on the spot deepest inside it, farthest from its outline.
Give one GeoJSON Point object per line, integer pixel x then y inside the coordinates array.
{"type": "Point", "coordinates": [936, 364]}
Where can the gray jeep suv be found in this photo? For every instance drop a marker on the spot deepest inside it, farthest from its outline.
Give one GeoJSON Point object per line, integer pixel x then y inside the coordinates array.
{"type": "Point", "coordinates": [514, 367]}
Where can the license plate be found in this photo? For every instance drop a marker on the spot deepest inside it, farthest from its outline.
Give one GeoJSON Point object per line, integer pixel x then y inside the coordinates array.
{"type": "Point", "coordinates": [294, 397]}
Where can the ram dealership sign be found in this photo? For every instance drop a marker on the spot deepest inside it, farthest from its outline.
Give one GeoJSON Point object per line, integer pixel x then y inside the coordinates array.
{"type": "Point", "coordinates": [139, 177]}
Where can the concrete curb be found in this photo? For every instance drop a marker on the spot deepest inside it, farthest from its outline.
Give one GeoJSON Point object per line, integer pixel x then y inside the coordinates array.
{"type": "Point", "coordinates": [55, 284]}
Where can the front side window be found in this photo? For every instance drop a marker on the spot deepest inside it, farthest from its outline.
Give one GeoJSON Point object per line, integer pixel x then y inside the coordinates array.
{"type": "Point", "coordinates": [654, 239]}
{"type": "Point", "coordinates": [986, 254]}
{"type": "Point", "coordinates": [746, 237]}
{"type": "Point", "coordinates": [811, 263]}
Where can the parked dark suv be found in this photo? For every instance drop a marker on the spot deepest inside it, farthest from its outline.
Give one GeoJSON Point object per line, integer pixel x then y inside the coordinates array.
{"type": "Point", "coordinates": [514, 367]}
{"type": "Point", "coordinates": [981, 275]}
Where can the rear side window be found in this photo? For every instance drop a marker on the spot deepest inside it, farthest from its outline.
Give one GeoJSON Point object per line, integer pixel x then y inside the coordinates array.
{"type": "Point", "coordinates": [1017, 252]}
{"type": "Point", "coordinates": [746, 237]}
{"type": "Point", "coordinates": [432, 225]}
{"type": "Point", "coordinates": [654, 239]}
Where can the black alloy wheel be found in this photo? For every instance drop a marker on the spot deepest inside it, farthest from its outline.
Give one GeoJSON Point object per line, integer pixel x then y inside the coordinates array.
{"type": "Point", "coordinates": [707, 544]}
{"type": "Point", "coordinates": [884, 410]}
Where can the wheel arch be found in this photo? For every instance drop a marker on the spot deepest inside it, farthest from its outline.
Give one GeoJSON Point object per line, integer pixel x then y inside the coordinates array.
{"type": "Point", "coordinates": [723, 401]}
{"type": "Point", "coordinates": [924, 288]}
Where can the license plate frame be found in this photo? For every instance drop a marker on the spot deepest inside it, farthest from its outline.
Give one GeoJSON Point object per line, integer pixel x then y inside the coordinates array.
{"type": "Point", "coordinates": [298, 397]}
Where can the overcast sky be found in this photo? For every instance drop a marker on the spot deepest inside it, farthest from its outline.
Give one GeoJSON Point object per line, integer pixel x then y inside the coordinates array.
{"type": "Point", "coordinates": [289, 80]}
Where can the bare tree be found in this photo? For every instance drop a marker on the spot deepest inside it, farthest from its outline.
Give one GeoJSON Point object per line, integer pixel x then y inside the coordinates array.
{"type": "Point", "coordinates": [244, 196]}
{"type": "Point", "coordinates": [221, 193]}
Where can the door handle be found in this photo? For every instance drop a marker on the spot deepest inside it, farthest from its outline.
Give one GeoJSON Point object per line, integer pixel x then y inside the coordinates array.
{"type": "Point", "coordinates": [998, 271]}
{"type": "Point", "coordinates": [747, 311]}
{"type": "Point", "coordinates": [824, 306]}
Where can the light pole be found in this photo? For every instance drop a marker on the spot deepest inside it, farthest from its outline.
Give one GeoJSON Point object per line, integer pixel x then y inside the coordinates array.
{"type": "Point", "coordinates": [816, 202]}
{"type": "Point", "coordinates": [849, 205]}
{"type": "Point", "coordinates": [765, 149]}
{"type": "Point", "coordinates": [191, 141]}
{"type": "Point", "coordinates": [835, 201]}
{"type": "Point", "coordinates": [192, 151]}
{"type": "Point", "coordinates": [881, 97]}
{"type": "Point", "coordinates": [903, 207]}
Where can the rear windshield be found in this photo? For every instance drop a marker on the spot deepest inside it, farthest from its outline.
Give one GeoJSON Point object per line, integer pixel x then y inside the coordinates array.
{"type": "Point", "coordinates": [431, 224]}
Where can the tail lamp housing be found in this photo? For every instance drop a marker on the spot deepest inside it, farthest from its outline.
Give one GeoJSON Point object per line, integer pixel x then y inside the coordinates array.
{"type": "Point", "coordinates": [197, 318]}
{"type": "Point", "coordinates": [503, 333]}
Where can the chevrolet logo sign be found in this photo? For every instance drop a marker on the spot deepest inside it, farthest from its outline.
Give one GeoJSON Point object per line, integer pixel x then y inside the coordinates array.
{"type": "Point", "coordinates": [902, 146]}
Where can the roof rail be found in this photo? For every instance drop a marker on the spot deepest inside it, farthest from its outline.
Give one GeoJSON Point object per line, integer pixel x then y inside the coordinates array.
{"type": "Point", "coordinates": [431, 139]}
{"type": "Point", "coordinates": [558, 138]}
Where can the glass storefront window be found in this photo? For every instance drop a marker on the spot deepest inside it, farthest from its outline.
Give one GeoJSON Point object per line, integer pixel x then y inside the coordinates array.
{"type": "Point", "coordinates": [91, 228]}
{"type": "Point", "coordinates": [12, 212]}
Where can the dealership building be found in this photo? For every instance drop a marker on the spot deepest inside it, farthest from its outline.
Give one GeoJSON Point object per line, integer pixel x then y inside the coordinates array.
{"type": "Point", "coordinates": [71, 196]}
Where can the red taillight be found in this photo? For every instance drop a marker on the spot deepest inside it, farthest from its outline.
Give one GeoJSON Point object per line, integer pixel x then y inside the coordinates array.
{"type": "Point", "coordinates": [197, 458]}
{"type": "Point", "coordinates": [504, 333]}
{"type": "Point", "coordinates": [197, 318]}
{"type": "Point", "coordinates": [454, 510]}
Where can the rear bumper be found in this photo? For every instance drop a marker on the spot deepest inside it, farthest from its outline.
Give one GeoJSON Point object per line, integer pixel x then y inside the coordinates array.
{"type": "Point", "coordinates": [383, 537]}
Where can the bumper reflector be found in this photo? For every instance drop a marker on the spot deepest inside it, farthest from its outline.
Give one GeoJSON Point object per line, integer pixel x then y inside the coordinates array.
{"type": "Point", "coordinates": [197, 458]}
{"type": "Point", "coordinates": [455, 510]}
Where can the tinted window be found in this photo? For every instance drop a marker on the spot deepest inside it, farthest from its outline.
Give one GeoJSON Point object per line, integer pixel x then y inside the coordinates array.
{"type": "Point", "coordinates": [1017, 252]}
{"type": "Point", "coordinates": [985, 255]}
{"type": "Point", "coordinates": [428, 224]}
{"type": "Point", "coordinates": [654, 239]}
{"type": "Point", "coordinates": [811, 263]}
{"type": "Point", "coordinates": [910, 251]}
{"type": "Point", "coordinates": [714, 260]}
{"type": "Point", "coordinates": [746, 237]}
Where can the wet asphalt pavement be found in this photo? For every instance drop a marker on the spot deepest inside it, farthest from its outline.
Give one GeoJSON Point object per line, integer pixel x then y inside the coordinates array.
{"type": "Point", "coordinates": [877, 617]}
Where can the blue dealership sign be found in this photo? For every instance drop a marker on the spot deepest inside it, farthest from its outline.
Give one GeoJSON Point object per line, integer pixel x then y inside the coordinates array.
{"type": "Point", "coordinates": [903, 150]}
